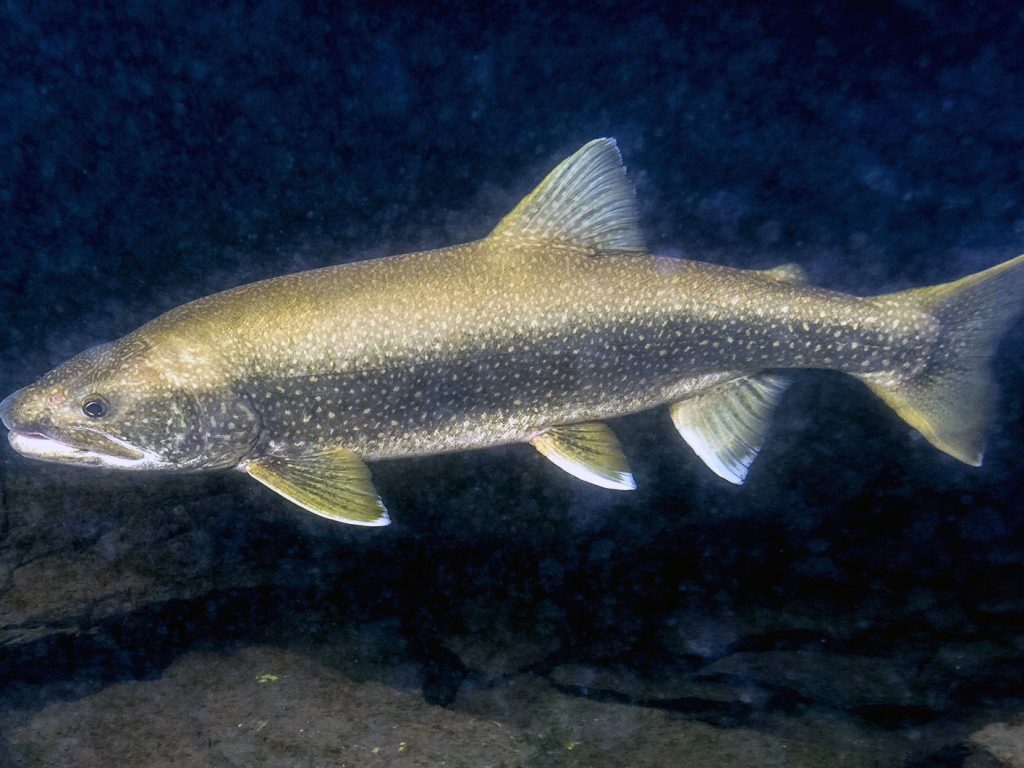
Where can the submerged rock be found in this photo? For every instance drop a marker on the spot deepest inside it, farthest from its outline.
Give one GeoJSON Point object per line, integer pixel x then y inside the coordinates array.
{"type": "Point", "coordinates": [1002, 741]}
{"type": "Point", "coordinates": [580, 731]}
{"type": "Point", "coordinates": [259, 707]}
{"type": "Point", "coordinates": [501, 652]}
{"type": "Point", "coordinates": [841, 680]}
{"type": "Point", "coordinates": [676, 690]}
{"type": "Point", "coordinates": [81, 548]}
{"type": "Point", "coordinates": [353, 700]}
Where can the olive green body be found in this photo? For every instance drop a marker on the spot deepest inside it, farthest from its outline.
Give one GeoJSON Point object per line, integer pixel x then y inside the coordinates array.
{"type": "Point", "coordinates": [492, 342]}
{"type": "Point", "coordinates": [556, 321]}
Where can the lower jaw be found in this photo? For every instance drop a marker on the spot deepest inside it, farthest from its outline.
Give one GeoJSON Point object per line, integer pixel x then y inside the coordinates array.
{"type": "Point", "coordinates": [35, 445]}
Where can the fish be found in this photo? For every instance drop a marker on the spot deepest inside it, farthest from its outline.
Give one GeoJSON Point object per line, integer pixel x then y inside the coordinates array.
{"type": "Point", "coordinates": [540, 332]}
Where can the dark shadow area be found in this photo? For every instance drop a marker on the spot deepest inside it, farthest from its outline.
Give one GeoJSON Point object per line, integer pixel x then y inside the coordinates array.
{"type": "Point", "coordinates": [858, 601]}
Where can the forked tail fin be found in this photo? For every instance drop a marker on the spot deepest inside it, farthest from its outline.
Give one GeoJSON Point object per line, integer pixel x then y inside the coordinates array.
{"type": "Point", "coordinates": [951, 400]}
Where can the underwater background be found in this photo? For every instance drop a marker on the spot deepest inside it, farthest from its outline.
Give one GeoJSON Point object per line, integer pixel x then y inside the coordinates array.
{"type": "Point", "coordinates": [859, 602]}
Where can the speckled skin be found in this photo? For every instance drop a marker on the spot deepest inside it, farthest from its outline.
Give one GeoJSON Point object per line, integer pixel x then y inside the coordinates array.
{"type": "Point", "coordinates": [493, 341]}
{"type": "Point", "coordinates": [558, 318]}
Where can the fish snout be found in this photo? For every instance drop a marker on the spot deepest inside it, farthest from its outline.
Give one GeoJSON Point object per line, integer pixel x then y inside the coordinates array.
{"type": "Point", "coordinates": [8, 406]}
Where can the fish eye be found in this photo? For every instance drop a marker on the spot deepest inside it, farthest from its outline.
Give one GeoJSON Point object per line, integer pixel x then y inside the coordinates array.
{"type": "Point", "coordinates": [95, 407]}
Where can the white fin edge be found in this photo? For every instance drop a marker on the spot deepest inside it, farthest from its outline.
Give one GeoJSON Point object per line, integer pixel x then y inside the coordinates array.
{"type": "Point", "coordinates": [589, 452]}
{"type": "Point", "coordinates": [726, 424]}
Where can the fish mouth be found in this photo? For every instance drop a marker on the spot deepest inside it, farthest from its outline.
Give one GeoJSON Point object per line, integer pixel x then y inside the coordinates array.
{"type": "Point", "coordinates": [7, 406]}
{"type": "Point", "coordinates": [101, 450]}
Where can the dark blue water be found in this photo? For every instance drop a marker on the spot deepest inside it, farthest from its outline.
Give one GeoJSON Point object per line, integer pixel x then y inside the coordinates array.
{"type": "Point", "coordinates": [857, 602]}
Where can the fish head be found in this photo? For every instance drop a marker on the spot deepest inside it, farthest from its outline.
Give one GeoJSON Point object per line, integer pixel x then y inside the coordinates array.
{"type": "Point", "coordinates": [128, 405]}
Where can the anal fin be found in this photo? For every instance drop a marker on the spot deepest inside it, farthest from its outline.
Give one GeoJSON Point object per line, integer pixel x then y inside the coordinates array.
{"type": "Point", "coordinates": [588, 451]}
{"type": "Point", "coordinates": [725, 425]}
{"type": "Point", "coordinates": [334, 483]}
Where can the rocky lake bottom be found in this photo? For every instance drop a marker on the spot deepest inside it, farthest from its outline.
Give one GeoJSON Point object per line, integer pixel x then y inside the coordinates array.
{"type": "Point", "coordinates": [147, 623]}
{"type": "Point", "coordinates": [858, 602]}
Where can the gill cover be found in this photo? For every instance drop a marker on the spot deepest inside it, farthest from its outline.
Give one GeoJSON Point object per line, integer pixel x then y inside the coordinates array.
{"type": "Point", "coordinates": [153, 414]}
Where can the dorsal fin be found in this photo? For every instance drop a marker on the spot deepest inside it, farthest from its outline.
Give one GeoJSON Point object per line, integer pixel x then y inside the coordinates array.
{"type": "Point", "coordinates": [587, 200]}
{"type": "Point", "coordinates": [787, 273]}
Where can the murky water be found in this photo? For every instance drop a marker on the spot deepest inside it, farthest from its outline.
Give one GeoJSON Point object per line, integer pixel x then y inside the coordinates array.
{"type": "Point", "coordinates": [856, 603]}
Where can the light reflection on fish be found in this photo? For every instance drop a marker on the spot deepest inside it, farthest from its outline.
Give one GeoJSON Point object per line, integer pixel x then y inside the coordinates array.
{"type": "Point", "coordinates": [557, 320]}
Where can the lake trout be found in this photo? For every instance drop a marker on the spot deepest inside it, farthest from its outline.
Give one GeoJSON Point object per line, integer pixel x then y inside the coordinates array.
{"type": "Point", "coordinates": [554, 322]}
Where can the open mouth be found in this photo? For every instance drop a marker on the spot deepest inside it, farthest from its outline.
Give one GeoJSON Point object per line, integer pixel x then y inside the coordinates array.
{"type": "Point", "coordinates": [102, 450]}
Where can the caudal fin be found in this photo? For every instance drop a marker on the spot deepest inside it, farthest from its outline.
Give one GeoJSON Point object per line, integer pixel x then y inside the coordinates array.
{"type": "Point", "coordinates": [951, 400]}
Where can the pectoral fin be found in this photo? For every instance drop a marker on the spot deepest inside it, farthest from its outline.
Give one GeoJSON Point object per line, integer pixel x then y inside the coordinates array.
{"type": "Point", "coordinates": [726, 424]}
{"type": "Point", "coordinates": [588, 451]}
{"type": "Point", "coordinates": [334, 483]}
